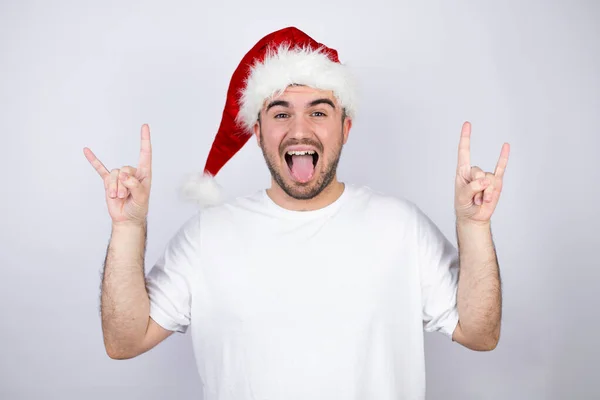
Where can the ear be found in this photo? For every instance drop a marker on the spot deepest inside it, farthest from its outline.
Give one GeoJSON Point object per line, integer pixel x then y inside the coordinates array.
{"type": "Point", "coordinates": [346, 128]}
{"type": "Point", "coordinates": [256, 129]}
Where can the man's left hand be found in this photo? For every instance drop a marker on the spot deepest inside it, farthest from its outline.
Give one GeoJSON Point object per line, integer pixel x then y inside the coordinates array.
{"type": "Point", "coordinates": [477, 192]}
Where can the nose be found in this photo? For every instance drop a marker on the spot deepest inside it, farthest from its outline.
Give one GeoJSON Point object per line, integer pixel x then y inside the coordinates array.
{"type": "Point", "coordinates": [300, 127]}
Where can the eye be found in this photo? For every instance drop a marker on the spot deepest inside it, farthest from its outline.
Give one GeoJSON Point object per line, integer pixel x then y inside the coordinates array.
{"type": "Point", "coordinates": [320, 114]}
{"type": "Point", "coordinates": [280, 115]}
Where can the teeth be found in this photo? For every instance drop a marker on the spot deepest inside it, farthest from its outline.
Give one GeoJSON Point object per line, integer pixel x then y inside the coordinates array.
{"type": "Point", "coordinates": [301, 153]}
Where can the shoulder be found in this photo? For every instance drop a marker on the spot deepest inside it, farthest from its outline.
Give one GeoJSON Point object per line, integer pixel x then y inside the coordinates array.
{"type": "Point", "coordinates": [235, 210]}
{"type": "Point", "coordinates": [381, 203]}
{"type": "Point", "coordinates": [393, 211]}
{"type": "Point", "coordinates": [404, 218]}
{"type": "Point", "coordinates": [239, 204]}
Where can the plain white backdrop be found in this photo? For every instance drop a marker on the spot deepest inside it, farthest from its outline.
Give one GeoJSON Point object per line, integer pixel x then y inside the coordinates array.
{"type": "Point", "coordinates": [84, 73]}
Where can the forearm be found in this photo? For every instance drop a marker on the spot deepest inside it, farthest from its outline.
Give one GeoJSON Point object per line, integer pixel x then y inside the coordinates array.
{"type": "Point", "coordinates": [479, 297]}
{"type": "Point", "coordinates": [125, 305]}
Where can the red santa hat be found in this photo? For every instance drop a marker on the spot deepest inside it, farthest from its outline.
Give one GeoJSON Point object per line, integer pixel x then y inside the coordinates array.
{"type": "Point", "coordinates": [280, 59]}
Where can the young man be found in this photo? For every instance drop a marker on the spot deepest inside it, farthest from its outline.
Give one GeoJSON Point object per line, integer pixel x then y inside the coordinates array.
{"type": "Point", "coordinates": [313, 288]}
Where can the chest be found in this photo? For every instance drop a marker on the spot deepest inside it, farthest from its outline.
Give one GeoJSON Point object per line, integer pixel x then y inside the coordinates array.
{"type": "Point", "coordinates": [308, 274]}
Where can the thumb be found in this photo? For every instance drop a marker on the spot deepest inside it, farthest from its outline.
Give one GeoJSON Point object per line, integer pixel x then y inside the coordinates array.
{"type": "Point", "coordinates": [138, 192]}
{"type": "Point", "coordinates": [474, 187]}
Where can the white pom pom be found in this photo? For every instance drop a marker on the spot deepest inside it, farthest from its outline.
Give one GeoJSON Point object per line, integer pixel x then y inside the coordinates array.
{"type": "Point", "coordinates": [202, 189]}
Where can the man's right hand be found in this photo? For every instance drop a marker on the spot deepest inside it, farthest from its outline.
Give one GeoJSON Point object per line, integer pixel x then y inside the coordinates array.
{"type": "Point", "coordinates": [127, 189]}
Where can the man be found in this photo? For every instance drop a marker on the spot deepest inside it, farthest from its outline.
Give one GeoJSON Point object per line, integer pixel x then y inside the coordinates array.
{"type": "Point", "coordinates": [313, 288]}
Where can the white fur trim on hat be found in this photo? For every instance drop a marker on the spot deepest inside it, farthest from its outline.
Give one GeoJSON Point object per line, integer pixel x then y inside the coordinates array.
{"type": "Point", "coordinates": [301, 66]}
{"type": "Point", "coordinates": [202, 189]}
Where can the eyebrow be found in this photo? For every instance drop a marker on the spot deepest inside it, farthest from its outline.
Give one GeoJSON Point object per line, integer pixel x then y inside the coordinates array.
{"type": "Point", "coordinates": [275, 103]}
{"type": "Point", "coordinates": [321, 101]}
{"type": "Point", "coordinates": [313, 103]}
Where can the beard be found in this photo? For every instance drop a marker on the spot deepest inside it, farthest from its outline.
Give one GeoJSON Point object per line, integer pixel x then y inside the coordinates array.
{"type": "Point", "coordinates": [311, 189]}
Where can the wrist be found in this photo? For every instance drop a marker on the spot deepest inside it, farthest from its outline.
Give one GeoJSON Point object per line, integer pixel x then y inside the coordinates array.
{"type": "Point", "coordinates": [469, 223]}
{"type": "Point", "coordinates": [129, 225]}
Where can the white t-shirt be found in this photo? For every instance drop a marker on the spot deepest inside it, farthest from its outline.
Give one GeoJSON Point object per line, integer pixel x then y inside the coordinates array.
{"type": "Point", "coordinates": [325, 304]}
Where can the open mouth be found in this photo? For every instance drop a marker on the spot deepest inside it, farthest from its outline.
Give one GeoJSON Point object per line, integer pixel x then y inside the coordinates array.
{"type": "Point", "coordinates": [302, 164]}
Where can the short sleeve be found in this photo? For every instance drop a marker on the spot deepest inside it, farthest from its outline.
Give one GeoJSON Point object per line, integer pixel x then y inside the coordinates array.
{"type": "Point", "coordinates": [438, 265]}
{"type": "Point", "coordinates": [169, 280]}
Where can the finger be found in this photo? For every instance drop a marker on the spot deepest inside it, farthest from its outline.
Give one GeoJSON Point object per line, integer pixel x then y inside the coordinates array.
{"type": "Point", "coordinates": [474, 188]}
{"type": "Point", "coordinates": [98, 166]}
{"type": "Point", "coordinates": [502, 161]}
{"type": "Point", "coordinates": [134, 186]}
{"type": "Point", "coordinates": [112, 183]}
{"type": "Point", "coordinates": [476, 173]}
{"type": "Point", "coordinates": [488, 194]}
{"type": "Point", "coordinates": [129, 170]}
{"type": "Point", "coordinates": [478, 198]}
{"type": "Point", "coordinates": [122, 191]}
{"type": "Point", "coordinates": [488, 180]}
{"type": "Point", "coordinates": [145, 162]}
{"type": "Point", "coordinates": [489, 190]}
{"type": "Point", "coordinates": [464, 146]}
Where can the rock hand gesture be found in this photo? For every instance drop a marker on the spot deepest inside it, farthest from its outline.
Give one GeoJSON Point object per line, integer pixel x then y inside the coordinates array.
{"type": "Point", "coordinates": [127, 188]}
{"type": "Point", "coordinates": [477, 192]}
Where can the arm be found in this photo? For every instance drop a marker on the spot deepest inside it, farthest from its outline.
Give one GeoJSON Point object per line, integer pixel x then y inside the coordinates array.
{"type": "Point", "coordinates": [125, 307]}
{"type": "Point", "coordinates": [479, 298]}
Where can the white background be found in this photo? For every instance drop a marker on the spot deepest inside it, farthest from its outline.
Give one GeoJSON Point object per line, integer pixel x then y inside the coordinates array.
{"type": "Point", "coordinates": [83, 73]}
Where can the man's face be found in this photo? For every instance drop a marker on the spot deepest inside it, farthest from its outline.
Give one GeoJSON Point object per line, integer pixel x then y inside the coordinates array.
{"type": "Point", "coordinates": [301, 134]}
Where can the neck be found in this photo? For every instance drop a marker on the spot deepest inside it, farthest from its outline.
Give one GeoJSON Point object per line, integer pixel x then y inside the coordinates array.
{"type": "Point", "coordinates": [330, 194]}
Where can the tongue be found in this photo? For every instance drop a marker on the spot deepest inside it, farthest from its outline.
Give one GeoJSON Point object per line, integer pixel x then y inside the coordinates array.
{"type": "Point", "coordinates": [302, 167]}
